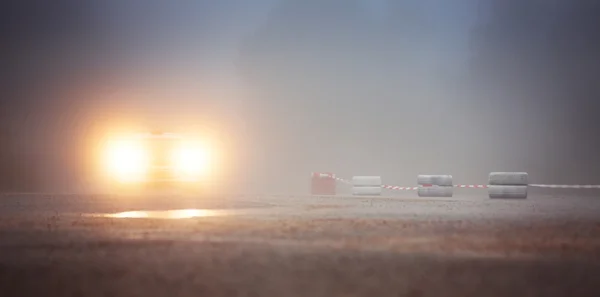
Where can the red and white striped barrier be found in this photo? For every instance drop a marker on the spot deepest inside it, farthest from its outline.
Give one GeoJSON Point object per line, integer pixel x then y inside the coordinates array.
{"type": "Point", "coordinates": [471, 186]}
{"type": "Point", "coordinates": [486, 186]}
{"type": "Point", "coordinates": [399, 188]}
{"type": "Point", "coordinates": [331, 176]}
{"type": "Point", "coordinates": [345, 181]}
{"type": "Point", "coordinates": [415, 188]}
{"type": "Point", "coordinates": [323, 175]}
{"type": "Point", "coordinates": [566, 186]}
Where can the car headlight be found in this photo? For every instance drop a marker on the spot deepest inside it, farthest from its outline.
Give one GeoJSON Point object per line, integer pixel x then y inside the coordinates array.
{"type": "Point", "coordinates": [127, 160]}
{"type": "Point", "coordinates": [192, 160]}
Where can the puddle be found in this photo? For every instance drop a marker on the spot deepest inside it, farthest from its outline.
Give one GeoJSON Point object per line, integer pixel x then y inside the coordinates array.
{"type": "Point", "coordinates": [260, 212]}
{"type": "Point", "coordinates": [163, 214]}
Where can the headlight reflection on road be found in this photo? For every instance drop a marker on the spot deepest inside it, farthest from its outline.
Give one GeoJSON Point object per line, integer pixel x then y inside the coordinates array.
{"type": "Point", "coordinates": [164, 214]}
{"type": "Point", "coordinates": [129, 214]}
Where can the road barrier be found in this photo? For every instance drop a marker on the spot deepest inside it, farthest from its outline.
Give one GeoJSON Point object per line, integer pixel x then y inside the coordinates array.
{"type": "Point", "coordinates": [566, 186]}
{"type": "Point", "coordinates": [366, 191]}
{"type": "Point", "coordinates": [399, 188]}
{"type": "Point", "coordinates": [322, 184]}
{"type": "Point", "coordinates": [435, 186]}
{"type": "Point", "coordinates": [435, 180]}
{"type": "Point", "coordinates": [510, 185]}
{"type": "Point", "coordinates": [501, 185]}
{"type": "Point", "coordinates": [366, 185]}
{"type": "Point", "coordinates": [435, 191]}
{"type": "Point", "coordinates": [507, 192]}
{"type": "Point", "coordinates": [508, 179]}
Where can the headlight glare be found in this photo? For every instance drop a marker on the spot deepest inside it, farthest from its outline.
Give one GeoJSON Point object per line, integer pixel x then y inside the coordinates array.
{"type": "Point", "coordinates": [127, 160]}
{"type": "Point", "coordinates": [191, 161]}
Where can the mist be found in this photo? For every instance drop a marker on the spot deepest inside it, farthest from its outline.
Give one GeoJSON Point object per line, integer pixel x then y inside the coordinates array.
{"type": "Point", "coordinates": [390, 88]}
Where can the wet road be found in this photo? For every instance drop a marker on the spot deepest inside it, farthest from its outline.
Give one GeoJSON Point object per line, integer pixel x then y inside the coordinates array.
{"type": "Point", "coordinates": [161, 245]}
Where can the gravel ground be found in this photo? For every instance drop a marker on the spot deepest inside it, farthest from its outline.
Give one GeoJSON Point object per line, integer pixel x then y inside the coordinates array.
{"type": "Point", "coordinates": [74, 245]}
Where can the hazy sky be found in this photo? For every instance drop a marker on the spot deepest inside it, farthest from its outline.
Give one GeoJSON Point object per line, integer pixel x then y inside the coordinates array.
{"type": "Point", "coordinates": [219, 39]}
{"type": "Point", "coordinates": [413, 90]}
{"type": "Point", "coordinates": [188, 44]}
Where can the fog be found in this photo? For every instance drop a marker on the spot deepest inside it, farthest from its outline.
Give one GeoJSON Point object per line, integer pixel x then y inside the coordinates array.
{"type": "Point", "coordinates": [390, 88]}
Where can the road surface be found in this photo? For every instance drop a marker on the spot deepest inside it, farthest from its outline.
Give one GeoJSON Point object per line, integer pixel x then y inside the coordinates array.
{"type": "Point", "coordinates": [243, 245]}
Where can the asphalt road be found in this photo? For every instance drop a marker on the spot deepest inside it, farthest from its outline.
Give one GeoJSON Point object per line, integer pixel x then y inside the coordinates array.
{"type": "Point", "coordinates": [98, 245]}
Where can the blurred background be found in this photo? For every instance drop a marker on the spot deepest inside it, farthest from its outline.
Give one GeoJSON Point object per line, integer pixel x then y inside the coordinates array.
{"type": "Point", "coordinates": [286, 87]}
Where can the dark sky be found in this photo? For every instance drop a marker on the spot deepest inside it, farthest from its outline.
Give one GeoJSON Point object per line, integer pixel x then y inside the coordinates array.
{"type": "Point", "coordinates": [453, 87]}
{"type": "Point", "coordinates": [202, 35]}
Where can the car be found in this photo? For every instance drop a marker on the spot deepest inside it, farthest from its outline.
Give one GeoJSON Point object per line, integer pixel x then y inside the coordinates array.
{"type": "Point", "coordinates": [157, 160]}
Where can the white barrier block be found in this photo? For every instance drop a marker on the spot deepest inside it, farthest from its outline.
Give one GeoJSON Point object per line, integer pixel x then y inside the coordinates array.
{"type": "Point", "coordinates": [366, 191]}
{"type": "Point", "coordinates": [366, 181]}
{"type": "Point", "coordinates": [508, 179]}
{"type": "Point", "coordinates": [507, 192]}
{"type": "Point", "coordinates": [436, 180]}
{"type": "Point", "coordinates": [435, 191]}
